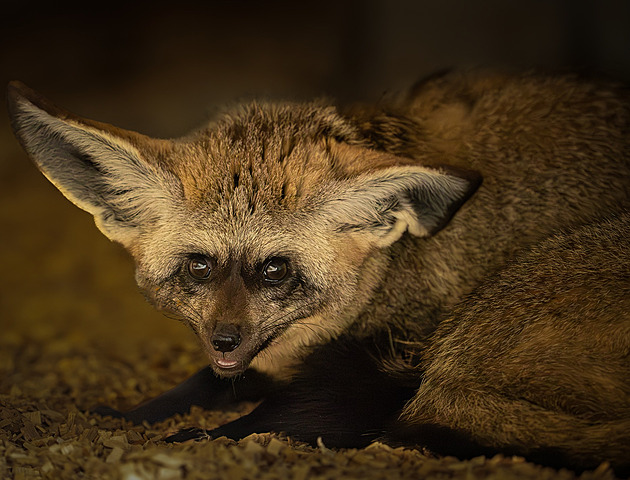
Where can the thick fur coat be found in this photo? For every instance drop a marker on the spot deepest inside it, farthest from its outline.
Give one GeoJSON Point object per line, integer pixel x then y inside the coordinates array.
{"type": "Point", "coordinates": [314, 249]}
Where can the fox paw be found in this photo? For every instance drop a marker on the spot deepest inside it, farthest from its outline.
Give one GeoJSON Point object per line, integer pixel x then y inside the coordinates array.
{"type": "Point", "coordinates": [105, 411]}
{"type": "Point", "coordinates": [189, 434]}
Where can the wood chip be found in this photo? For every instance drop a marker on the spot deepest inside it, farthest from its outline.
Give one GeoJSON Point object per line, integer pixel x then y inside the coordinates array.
{"type": "Point", "coordinates": [115, 455]}
{"type": "Point", "coordinates": [275, 447]}
{"type": "Point", "coordinates": [29, 431]}
{"type": "Point", "coordinates": [45, 434]}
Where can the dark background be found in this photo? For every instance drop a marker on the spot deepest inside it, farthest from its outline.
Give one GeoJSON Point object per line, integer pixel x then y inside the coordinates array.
{"type": "Point", "coordinates": [162, 67]}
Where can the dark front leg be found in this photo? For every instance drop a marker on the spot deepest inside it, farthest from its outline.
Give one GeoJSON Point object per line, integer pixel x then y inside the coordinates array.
{"type": "Point", "coordinates": [341, 395]}
{"type": "Point", "coordinates": [203, 389]}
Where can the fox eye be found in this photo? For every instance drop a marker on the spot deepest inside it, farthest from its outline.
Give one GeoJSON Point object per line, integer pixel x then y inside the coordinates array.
{"type": "Point", "coordinates": [200, 267]}
{"type": "Point", "coordinates": [275, 270]}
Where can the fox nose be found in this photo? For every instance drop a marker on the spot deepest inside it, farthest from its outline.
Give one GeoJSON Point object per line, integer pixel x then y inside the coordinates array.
{"type": "Point", "coordinates": [225, 338]}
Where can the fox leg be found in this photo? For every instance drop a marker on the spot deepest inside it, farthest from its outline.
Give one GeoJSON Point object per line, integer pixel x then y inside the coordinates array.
{"type": "Point", "coordinates": [554, 404]}
{"type": "Point", "coordinates": [341, 394]}
{"type": "Point", "coordinates": [203, 389]}
{"type": "Point", "coordinates": [467, 423]}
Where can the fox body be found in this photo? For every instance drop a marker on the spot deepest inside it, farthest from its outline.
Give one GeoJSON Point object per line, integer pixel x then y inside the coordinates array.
{"type": "Point", "coordinates": [314, 249]}
{"type": "Point", "coordinates": [536, 360]}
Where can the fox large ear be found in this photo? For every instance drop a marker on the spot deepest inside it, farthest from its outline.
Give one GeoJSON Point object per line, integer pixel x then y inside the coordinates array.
{"type": "Point", "coordinates": [100, 168]}
{"type": "Point", "coordinates": [381, 205]}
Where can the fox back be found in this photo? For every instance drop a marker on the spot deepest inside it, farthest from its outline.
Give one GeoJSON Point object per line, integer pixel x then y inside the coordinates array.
{"type": "Point", "coordinates": [278, 226]}
{"type": "Point", "coordinates": [536, 361]}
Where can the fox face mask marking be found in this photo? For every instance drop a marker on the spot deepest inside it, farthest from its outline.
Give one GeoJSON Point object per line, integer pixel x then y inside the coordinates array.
{"type": "Point", "coordinates": [348, 256]}
{"type": "Point", "coordinates": [253, 230]}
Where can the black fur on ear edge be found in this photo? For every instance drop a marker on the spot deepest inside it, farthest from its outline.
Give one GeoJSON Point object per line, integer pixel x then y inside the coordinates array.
{"type": "Point", "coordinates": [100, 168]}
{"type": "Point", "coordinates": [382, 204]}
{"type": "Point", "coordinates": [474, 180]}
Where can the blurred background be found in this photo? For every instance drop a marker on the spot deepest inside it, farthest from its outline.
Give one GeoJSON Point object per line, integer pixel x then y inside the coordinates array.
{"type": "Point", "coordinates": [162, 68]}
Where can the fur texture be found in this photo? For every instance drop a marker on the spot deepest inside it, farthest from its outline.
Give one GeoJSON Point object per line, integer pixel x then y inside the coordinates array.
{"type": "Point", "coordinates": [287, 235]}
{"type": "Point", "coordinates": [536, 361]}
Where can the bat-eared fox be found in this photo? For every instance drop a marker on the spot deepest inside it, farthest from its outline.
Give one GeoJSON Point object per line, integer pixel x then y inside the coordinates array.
{"type": "Point", "coordinates": [448, 268]}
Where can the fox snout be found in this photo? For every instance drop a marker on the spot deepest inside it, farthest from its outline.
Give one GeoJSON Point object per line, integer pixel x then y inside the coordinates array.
{"type": "Point", "coordinates": [225, 338]}
{"type": "Point", "coordinates": [230, 348]}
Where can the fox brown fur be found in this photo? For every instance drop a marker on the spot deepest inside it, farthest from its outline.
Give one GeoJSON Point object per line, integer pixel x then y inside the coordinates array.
{"type": "Point", "coordinates": [536, 361]}
{"type": "Point", "coordinates": [321, 247]}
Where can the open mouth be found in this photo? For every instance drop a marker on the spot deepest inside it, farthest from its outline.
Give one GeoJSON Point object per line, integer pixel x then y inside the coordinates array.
{"type": "Point", "coordinates": [226, 364]}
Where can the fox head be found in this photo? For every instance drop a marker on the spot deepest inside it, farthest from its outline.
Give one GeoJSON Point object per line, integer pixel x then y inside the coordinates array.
{"type": "Point", "coordinates": [265, 231]}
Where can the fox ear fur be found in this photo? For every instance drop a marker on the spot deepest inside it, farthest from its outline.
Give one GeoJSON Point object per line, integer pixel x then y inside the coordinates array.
{"type": "Point", "coordinates": [98, 167]}
{"type": "Point", "coordinates": [106, 172]}
{"type": "Point", "coordinates": [385, 203]}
